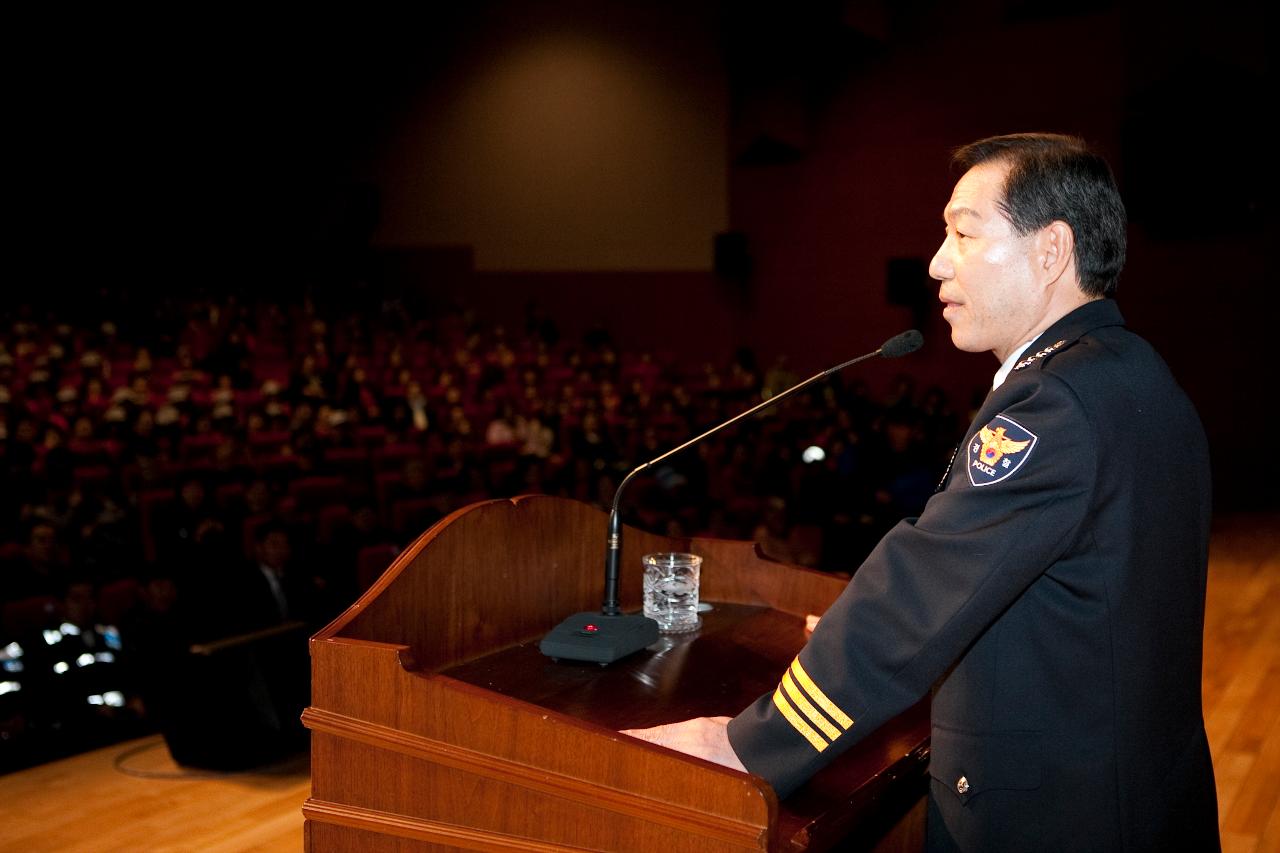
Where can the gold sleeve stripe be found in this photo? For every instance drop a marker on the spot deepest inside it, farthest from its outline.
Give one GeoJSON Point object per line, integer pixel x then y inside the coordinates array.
{"type": "Point", "coordinates": [797, 699]}
{"type": "Point", "coordinates": [818, 696]}
{"type": "Point", "coordinates": [797, 722]}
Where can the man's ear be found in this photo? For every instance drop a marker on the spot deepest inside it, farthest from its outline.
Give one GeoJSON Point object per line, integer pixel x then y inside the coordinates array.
{"type": "Point", "coordinates": [1055, 251]}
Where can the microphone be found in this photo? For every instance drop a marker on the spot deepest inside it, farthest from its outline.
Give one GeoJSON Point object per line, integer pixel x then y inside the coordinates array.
{"type": "Point", "coordinates": [610, 634]}
{"type": "Point", "coordinates": [900, 345]}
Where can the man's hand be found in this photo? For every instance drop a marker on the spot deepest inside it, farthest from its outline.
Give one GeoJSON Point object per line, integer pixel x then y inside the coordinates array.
{"type": "Point", "coordinates": [704, 737]}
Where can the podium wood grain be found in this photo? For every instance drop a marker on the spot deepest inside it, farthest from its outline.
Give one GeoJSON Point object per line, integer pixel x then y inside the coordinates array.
{"type": "Point", "coordinates": [437, 725]}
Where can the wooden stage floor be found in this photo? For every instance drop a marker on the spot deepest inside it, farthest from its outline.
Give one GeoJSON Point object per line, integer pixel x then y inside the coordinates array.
{"type": "Point", "coordinates": [85, 803]}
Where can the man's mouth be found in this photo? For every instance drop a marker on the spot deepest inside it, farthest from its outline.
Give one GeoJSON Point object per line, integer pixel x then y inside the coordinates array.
{"type": "Point", "coordinates": [949, 309]}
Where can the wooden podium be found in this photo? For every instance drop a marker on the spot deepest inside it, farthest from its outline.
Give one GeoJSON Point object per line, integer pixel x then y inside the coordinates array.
{"type": "Point", "coordinates": [436, 724]}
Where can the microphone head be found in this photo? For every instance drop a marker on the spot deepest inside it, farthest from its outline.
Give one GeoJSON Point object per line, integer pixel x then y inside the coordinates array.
{"type": "Point", "coordinates": [902, 344]}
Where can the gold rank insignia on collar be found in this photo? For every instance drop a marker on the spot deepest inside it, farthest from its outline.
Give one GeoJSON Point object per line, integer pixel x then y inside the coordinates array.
{"type": "Point", "coordinates": [1039, 354]}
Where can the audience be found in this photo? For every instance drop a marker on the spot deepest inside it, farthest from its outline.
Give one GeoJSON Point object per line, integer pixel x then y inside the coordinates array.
{"type": "Point", "coordinates": [213, 466]}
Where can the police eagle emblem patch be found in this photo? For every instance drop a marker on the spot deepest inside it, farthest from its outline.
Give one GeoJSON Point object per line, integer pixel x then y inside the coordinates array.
{"type": "Point", "coordinates": [999, 449]}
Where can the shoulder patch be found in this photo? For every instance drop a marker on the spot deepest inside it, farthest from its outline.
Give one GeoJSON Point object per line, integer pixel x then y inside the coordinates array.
{"type": "Point", "coordinates": [998, 450]}
{"type": "Point", "coordinates": [1039, 354]}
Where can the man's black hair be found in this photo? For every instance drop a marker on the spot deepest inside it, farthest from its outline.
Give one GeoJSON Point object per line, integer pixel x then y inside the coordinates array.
{"type": "Point", "coordinates": [1056, 177]}
{"type": "Point", "coordinates": [266, 528]}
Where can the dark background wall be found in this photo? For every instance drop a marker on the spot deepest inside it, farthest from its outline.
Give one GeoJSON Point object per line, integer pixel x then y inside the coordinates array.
{"type": "Point", "coordinates": [586, 155]}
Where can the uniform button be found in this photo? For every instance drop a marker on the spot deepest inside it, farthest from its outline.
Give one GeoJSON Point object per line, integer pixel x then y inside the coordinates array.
{"type": "Point", "coordinates": [962, 785]}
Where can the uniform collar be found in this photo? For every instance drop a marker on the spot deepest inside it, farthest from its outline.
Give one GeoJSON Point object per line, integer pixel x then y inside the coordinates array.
{"type": "Point", "coordinates": [1071, 327]}
{"type": "Point", "coordinates": [1003, 373]}
{"type": "Point", "coordinates": [1086, 318]}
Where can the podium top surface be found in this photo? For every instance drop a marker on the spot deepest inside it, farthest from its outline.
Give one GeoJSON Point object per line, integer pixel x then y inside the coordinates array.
{"type": "Point", "coordinates": [737, 655]}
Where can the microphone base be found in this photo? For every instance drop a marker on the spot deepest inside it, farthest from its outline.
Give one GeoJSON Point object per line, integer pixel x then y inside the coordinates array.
{"type": "Point", "coordinates": [595, 637]}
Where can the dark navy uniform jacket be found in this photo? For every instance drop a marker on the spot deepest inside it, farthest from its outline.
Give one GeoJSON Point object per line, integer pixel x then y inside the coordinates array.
{"type": "Point", "coordinates": [1052, 595]}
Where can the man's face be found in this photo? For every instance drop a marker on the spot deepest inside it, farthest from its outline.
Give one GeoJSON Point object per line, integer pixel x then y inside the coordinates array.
{"type": "Point", "coordinates": [274, 551]}
{"type": "Point", "coordinates": [43, 543]}
{"type": "Point", "coordinates": [988, 287]}
{"type": "Point", "coordinates": [80, 604]}
{"type": "Point", "coordinates": [193, 493]}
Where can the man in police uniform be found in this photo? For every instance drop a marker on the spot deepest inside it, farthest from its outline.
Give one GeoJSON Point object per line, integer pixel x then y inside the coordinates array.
{"type": "Point", "coordinates": [1052, 592]}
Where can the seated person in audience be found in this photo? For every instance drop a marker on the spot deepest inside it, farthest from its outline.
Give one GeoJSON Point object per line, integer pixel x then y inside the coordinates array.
{"type": "Point", "coordinates": [501, 430]}
{"type": "Point", "coordinates": [157, 633]}
{"type": "Point", "coordinates": [81, 694]}
{"type": "Point", "coordinates": [41, 568]}
{"type": "Point", "coordinates": [178, 525]}
{"type": "Point", "coordinates": [272, 589]}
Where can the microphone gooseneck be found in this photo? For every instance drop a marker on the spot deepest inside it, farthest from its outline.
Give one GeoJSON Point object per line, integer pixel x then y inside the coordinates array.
{"type": "Point", "coordinates": [898, 345]}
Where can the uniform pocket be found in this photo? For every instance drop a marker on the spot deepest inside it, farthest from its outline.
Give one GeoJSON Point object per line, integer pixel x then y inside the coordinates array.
{"type": "Point", "coordinates": [968, 763]}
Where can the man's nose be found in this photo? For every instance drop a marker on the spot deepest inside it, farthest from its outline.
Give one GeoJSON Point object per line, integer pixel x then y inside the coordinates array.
{"type": "Point", "coordinates": [940, 266]}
